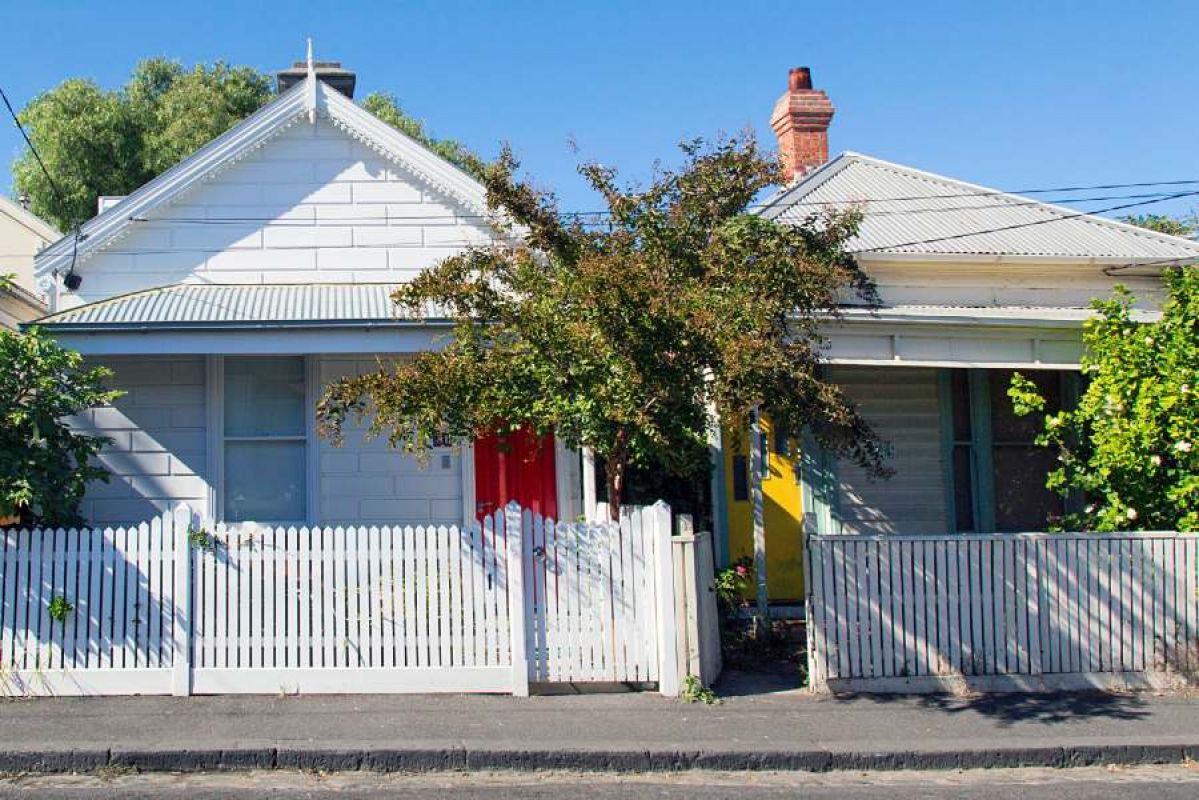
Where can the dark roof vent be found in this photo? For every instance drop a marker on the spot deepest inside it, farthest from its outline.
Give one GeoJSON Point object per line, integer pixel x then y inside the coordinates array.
{"type": "Point", "coordinates": [328, 71]}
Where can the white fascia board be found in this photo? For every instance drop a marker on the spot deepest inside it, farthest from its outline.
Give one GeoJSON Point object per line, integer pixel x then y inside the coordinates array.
{"type": "Point", "coordinates": [878, 257]}
{"type": "Point", "coordinates": [221, 152]}
{"type": "Point", "coordinates": [309, 341]}
{"type": "Point", "coordinates": [391, 143]}
{"type": "Point", "coordinates": [233, 145]}
{"type": "Point", "coordinates": [882, 318]}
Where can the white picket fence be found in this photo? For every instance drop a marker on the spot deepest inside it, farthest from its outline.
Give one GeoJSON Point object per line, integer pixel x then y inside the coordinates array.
{"type": "Point", "coordinates": [172, 607]}
{"type": "Point", "coordinates": [1004, 611]}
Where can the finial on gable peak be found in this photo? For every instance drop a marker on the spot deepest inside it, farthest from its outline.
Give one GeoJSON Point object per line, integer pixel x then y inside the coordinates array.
{"type": "Point", "coordinates": [310, 91]}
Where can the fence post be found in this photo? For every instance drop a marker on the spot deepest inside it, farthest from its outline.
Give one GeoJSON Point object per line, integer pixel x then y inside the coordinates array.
{"type": "Point", "coordinates": [181, 634]}
{"type": "Point", "coordinates": [517, 622]}
{"type": "Point", "coordinates": [668, 657]}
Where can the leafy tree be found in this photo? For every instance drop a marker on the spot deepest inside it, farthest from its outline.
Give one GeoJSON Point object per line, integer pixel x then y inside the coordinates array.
{"type": "Point", "coordinates": [387, 108]}
{"type": "Point", "coordinates": [1131, 447]}
{"type": "Point", "coordinates": [96, 142]}
{"type": "Point", "coordinates": [630, 335]}
{"type": "Point", "coordinates": [1175, 226]}
{"type": "Point", "coordinates": [45, 465]}
{"type": "Point", "coordinates": [91, 146]}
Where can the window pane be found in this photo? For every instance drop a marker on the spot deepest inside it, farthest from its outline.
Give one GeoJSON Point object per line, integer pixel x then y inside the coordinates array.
{"type": "Point", "coordinates": [963, 490]}
{"type": "Point", "coordinates": [1022, 503]}
{"type": "Point", "coordinates": [265, 481]}
{"type": "Point", "coordinates": [782, 442]}
{"type": "Point", "coordinates": [1005, 425]}
{"type": "Point", "coordinates": [740, 477]}
{"type": "Point", "coordinates": [264, 396]}
{"type": "Point", "coordinates": [960, 394]}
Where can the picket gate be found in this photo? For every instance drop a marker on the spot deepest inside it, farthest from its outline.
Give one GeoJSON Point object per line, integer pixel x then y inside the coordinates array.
{"type": "Point", "coordinates": [1028, 611]}
{"type": "Point", "coordinates": [177, 606]}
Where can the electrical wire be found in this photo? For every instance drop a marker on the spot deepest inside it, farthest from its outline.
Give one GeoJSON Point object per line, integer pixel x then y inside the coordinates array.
{"type": "Point", "coordinates": [1000, 229]}
{"type": "Point", "coordinates": [49, 178]}
{"type": "Point", "coordinates": [275, 222]}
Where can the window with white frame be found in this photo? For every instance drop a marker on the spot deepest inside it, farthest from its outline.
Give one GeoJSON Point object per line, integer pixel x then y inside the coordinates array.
{"type": "Point", "coordinates": [265, 439]}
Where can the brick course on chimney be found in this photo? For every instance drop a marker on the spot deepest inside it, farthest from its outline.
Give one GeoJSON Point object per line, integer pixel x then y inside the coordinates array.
{"type": "Point", "coordinates": [800, 121]}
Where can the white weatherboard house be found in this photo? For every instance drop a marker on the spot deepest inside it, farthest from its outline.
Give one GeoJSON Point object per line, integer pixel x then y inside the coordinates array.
{"type": "Point", "coordinates": [975, 283]}
{"type": "Point", "coordinates": [227, 291]}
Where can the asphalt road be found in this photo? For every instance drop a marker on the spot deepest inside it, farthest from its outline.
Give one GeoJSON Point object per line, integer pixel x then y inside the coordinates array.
{"type": "Point", "coordinates": [1138, 783]}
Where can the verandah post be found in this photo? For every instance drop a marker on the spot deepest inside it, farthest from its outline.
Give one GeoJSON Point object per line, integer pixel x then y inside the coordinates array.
{"type": "Point", "coordinates": [517, 626]}
{"type": "Point", "coordinates": [668, 656]}
{"type": "Point", "coordinates": [180, 521]}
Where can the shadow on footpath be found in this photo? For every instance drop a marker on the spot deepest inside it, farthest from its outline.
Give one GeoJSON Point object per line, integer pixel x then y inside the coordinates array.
{"type": "Point", "coordinates": [1006, 709]}
{"type": "Point", "coordinates": [1010, 708]}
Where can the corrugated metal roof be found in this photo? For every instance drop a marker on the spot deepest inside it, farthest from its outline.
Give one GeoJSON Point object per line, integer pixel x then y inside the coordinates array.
{"type": "Point", "coordinates": [196, 305]}
{"type": "Point", "coordinates": [905, 208]}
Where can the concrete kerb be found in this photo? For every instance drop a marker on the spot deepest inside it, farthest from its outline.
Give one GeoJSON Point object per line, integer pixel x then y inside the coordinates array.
{"type": "Point", "coordinates": [623, 761]}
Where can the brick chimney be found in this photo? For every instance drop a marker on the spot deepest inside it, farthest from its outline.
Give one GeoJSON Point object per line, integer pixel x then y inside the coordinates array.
{"type": "Point", "coordinates": [331, 72]}
{"type": "Point", "coordinates": [800, 120]}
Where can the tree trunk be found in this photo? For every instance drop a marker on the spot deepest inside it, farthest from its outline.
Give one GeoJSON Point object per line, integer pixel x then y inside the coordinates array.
{"type": "Point", "coordinates": [617, 464]}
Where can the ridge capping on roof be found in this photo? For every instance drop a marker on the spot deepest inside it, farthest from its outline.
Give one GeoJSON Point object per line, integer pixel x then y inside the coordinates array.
{"type": "Point", "coordinates": [251, 133]}
{"type": "Point", "coordinates": [779, 204]}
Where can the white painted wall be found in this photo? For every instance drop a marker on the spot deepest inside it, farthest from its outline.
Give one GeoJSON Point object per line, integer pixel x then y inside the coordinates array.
{"type": "Point", "coordinates": [158, 456]}
{"type": "Point", "coordinates": [902, 404]}
{"type": "Point", "coordinates": [366, 481]}
{"type": "Point", "coordinates": [158, 452]}
{"type": "Point", "coordinates": [1008, 284]}
{"type": "Point", "coordinates": [332, 210]}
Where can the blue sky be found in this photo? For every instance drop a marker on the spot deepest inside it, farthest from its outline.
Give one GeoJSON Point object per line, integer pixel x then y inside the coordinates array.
{"type": "Point", "coordinates": [1009, 94]}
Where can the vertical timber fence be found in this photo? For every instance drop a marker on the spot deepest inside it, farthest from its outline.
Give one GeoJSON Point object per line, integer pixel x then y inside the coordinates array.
{"type": "Point", "coordinates": [176, 607]}
{"type": "Point", "coordinates": [1005, 611]}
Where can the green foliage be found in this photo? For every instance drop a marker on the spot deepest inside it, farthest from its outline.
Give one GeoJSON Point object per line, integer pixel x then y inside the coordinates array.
{"type": "Point", "coordinates": [44, 465]}
{"type": "Point", "coordinates": [1175, 226]}
{"type": "Point", "coordinates": [626, 336]}
{"type": "Point", "coordinates": [387, 108]}
{"type": "Point", "coordinates": [1131, 447]}
{"type": "Point", "coordinates": [202, 540]}
{"type": "Point", "coordinates": [60, 608]}
{"type": "Point", "coordinates": [97, 142]}
{"type": "Point", "coordinates": [694, 691]}
{"type": "Point", "coordinates": [179, 111]}
{"type": "Point", "coordinates": [732, 585]}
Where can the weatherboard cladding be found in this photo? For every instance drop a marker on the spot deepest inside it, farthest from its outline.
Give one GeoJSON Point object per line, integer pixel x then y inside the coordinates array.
{"type": "Point", "coordinates": [936, 208]}
{"type": "Point", "coordinates": [198, 304]}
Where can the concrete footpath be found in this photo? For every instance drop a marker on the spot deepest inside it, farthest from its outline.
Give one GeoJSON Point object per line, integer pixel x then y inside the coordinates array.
{"type": "Point", "coordinates": [751, 730]}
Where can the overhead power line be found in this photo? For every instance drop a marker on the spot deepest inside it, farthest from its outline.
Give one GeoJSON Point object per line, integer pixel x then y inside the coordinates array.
{"type": "Point", "coordinates": [342, 221]}
{"type": "Point", "coordinates": [17, 120]}
{"type": "Point", "coordinates": [933, 240]}
{"type": "Point", "coordinates": [49, 178]}
{"type": "Point", "coordinates": [1030, 224]}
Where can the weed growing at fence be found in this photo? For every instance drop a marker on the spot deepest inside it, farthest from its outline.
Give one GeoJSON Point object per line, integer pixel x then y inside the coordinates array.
{"type": "Point", "coordinates": [201, 539]}
{"type": "Point", "coordinates": [695, 692]}
{"type": "Point", "coordinates": [60, 609]}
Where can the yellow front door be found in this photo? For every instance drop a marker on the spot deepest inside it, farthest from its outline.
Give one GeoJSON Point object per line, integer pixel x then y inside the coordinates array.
{"type": "Point", "coordinates": [782, 500]}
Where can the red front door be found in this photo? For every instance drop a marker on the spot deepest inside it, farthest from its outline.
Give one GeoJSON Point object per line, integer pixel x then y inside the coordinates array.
{"type": "Point", "coordinates": [516, 467]}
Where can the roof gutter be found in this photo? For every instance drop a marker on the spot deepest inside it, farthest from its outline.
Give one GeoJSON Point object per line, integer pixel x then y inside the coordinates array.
{"type": "Point", "coordinates": [877, 257]}
{"type": "Point", "coordinates": [169, 327]}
